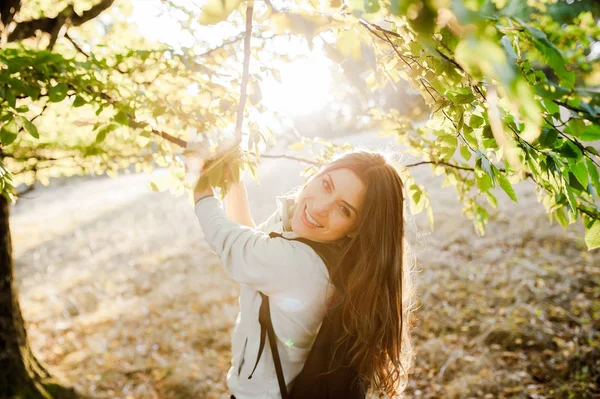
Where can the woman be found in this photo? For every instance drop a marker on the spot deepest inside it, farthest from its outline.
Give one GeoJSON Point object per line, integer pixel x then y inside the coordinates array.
{"type": "Point", "coordinates": [354, 205]}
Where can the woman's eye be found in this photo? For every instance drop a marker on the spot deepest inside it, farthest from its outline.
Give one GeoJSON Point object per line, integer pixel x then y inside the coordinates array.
{"type": "Point", "coordinates": [326, 185]}
{"type": "Point", "coordinates": [345, 210]}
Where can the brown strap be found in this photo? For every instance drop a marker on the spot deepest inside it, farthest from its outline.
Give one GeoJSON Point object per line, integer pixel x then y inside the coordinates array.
{"type": "Point", "coordinates": [264, 316]}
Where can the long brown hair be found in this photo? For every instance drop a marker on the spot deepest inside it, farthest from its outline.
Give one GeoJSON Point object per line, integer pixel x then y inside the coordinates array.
{"type": "Point", "coordinates": [373, 275]}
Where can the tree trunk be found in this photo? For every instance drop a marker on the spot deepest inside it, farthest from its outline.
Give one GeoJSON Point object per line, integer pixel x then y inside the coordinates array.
{"type": "Point", "coordinates": [21, 374]}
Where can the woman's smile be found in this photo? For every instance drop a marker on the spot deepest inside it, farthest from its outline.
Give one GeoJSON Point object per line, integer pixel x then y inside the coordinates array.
{"type": "Point", "coordinates": [309, 220]}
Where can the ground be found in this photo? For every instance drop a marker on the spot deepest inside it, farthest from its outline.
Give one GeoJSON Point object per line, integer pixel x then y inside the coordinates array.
{"type": "Point", "coordinates": [122, 297]}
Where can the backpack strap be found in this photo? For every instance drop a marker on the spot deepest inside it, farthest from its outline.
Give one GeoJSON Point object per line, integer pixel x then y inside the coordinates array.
{"type": "Point", "coordinates": [266, 327]}
{"type": "Point", "coordinates": [261, 345]}
{"type": "Point", "coordinates": [265, 312]}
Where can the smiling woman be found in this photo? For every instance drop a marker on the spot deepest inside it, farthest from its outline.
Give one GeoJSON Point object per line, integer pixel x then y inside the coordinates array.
{"type": "Point", "coordinates": [335, 250]}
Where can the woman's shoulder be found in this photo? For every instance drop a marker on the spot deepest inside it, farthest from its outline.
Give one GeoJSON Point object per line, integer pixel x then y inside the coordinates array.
{"type": "Point", "coordinates": [300, 253]}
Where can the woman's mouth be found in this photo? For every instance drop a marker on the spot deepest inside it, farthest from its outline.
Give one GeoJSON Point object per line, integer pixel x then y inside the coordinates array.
{"type": "Point", "coordinates": [308, 220]}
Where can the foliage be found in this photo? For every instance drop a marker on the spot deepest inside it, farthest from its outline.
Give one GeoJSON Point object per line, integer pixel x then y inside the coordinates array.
{"type": "Point", "coordinates": [513, 91]}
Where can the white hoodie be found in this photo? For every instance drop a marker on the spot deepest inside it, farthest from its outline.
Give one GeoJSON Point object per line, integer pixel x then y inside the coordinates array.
{"type": "Point", "coordinates": [289, 272]}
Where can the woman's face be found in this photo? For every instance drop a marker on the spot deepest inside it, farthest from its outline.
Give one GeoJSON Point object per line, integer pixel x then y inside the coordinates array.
{"type": "Point", "coordinates": [327, 209]}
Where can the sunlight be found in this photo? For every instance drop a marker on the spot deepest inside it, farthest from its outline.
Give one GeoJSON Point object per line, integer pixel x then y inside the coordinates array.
{"type": "Point", "coordinates": [149, 14]}
{"type": "Point", "coordinates": [304, 88]}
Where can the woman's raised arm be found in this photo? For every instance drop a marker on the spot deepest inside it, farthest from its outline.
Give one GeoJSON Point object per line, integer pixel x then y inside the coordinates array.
{"type": "Point", "coordinates": [236, 205]}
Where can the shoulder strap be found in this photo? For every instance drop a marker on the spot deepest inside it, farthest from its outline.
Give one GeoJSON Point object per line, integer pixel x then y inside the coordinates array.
{"type": "Point", "coordinates": [264, 316]}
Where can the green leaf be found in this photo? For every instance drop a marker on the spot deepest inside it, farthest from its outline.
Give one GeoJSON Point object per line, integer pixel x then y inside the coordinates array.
{"type": "Point", "coordinates": [8, 133]}
{"type": "Point", "coordinates": [592, 235]}
{"type": "Point", "coordinates": [575, 127]}
{"type": "Point", "coordinates": [594, 174]}
{"type": "Point", "coordinates": [465, 152]}
{"type": "Point", "coordinates": [467, 98]}
{"type": "Point", "coordinates": [417, 199]}
{"type": "Point", "coordinates": [482, 162]}
{"type": "Point", "coordinates": [580, 172]}
{"type": "Point", "coordinates": [397, 7]}
{"type": "Point", "coordinates": [484, 182]}
{"type": "Point", "coordinates": [480, 220]}
{"type": "Point", "coordinates": [216, 11]}
{"type": "Point", "coordinates": [448, 145]}
{"type": "Point", "coordinates": [255, 94]}
{"type": "Point", "coordinates": [215, 174]}
{"type": "Point", "coordinates": [10, 98]}
{"type": "Point", "coordinates": [430, 215]}
{"type": "Point", "coordinates": [371, 6]}
{"type": "Point", "coordinates": [547, 137]}
{"type": "Point", "coordinates": [590, 133]}
{"type": "Point", "coordinates": [57, 93]}
{"type": "Point", "coordinates": [571, 151]}
{"type": "Point", "coordinates": [491, 199]}
{"type": "Point", "coordinates": [297, 146]}
{"type": "Point", "coordinates": [475, 121]}
{"type": "Point", "coordinates": [571, 201]}
{"type": "Point", "coordinates": [551, 106]}
{"type": "Point", "coordinates": [574, 182]}
{"type": "Point", "coordinates": [591, 149]}
{"type": "Point", "coordinates": [507, 187]}
{"type": "Point", "coordinates": [30, 127]}
{"type": "Point", "coordinates": [79, 101]}
{"type": "Point", "coordinates": [592, 109]}
{"type": "Point", "coordinates": [11, 126]}
{"type": "Point", "coordinates": [559, 213]}
{"type": "Point", "coordinates": [551, 55]}
{"type": "Point", "coordinates": [100, 109]}
{"type": "Point", "coordinates": [104, 131]}
{"type": "Point", "coordinates": [505, 41]}
{"type": "Point", "coordinates": [121, 118]}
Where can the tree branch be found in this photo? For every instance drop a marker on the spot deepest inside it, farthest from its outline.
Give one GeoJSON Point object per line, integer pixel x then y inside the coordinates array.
{"type": "Point", "coordinates": [233, 40]}
{"type": "Point", "coordinates": [8, 10]}
{"type": "Point", "coordinates": [572, 108]}
{"type": "Point", "coordinates": [577, 143]}
{"type": "Point", "coordinates": [92, 13]}
{"type": "Point", "coordinates": [170, 138]}
{"type": "Point", "coordinates": [79, 49]}
{"type": "Point", "coordinates": [439, 163]}
{"type": "Point", "coordinates": [27, 29]}
{"type": "Point", "coordinates": [245, 72]}
{"type": "Point", "coordinates": [284, 156]}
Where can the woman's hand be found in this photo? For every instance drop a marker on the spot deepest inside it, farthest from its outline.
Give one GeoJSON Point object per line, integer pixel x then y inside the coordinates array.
{"type": "Point", "coordinates": [199, 158]}
{"type": "Point", "coordinates": [196, 157]}
{"type": "Point", "coordinates": [202, 190]}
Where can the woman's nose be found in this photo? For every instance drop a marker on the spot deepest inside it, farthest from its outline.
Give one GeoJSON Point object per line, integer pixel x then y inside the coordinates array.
{"type": "Point", "coordinates": [323, 207]}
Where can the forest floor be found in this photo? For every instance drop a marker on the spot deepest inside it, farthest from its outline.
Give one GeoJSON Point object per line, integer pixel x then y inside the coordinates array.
{"type": "Point", "coordinates": [123, 299]}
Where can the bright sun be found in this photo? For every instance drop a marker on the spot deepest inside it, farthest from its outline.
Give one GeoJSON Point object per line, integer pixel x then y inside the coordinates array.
{"type": "Point", "coordinates": [305, 83]}
{"type": "Point", "coordinates": [304, 88]}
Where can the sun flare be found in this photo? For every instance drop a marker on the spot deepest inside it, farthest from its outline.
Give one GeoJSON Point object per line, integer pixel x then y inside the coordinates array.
{"type": "Point", "coordinates": [304, 88]}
